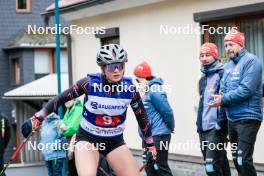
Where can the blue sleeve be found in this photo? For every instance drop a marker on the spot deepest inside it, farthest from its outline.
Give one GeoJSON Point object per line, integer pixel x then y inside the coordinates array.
{"type": "Point", "coordinates": [252, 74]}
{"type": "Point", "coordinates": [161, 104]}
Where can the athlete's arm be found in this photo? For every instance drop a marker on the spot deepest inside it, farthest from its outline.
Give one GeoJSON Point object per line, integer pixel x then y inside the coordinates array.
{"type": "Point", "coordinates": [142, 118]}
{"type": "Point", "coordinates": [78, 89]}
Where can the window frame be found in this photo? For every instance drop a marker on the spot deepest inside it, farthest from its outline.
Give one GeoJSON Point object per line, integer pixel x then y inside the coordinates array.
{"type": "Point", "coordinates": [109, 40]}
{"type": "Point", "coordinates": [111, 34]}
{"type": "Point", "coordinates": [50, 60]}
{"type": "Point", "coordinates": [26, 10]}
{"type": "Point", "coordinates": [15, 71]}
{"type": "Point", "coordinates": [235, 22]}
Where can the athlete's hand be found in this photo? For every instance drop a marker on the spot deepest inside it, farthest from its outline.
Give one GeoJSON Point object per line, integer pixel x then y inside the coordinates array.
{"type": "Point", "coordinates": [151, 154]}
{"type": "Point", "coordinates": [30, 125]}
{"type": "Point", "coordinates": [63, 127]}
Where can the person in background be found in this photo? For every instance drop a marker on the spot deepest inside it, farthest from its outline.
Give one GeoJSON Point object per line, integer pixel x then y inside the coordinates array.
{"type": "Point", "coordinates": [262, 95]}
{"type": "Point", "coordinates": [54, 153]}
{"type": "Point", "coordinates": [160, 116]}
{"type": "Point", "coordinates": [4, 138]}
{"type": "Point", "coordinates": [212, 122]}
{"type": "Point", "coordinates": [240, 95]}
{"type": "Point", "coordinates": [69, 126]}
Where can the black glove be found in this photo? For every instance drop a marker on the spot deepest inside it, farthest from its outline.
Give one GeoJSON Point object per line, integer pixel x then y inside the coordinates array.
{"type": "Point", "coordinates": [30, 125]}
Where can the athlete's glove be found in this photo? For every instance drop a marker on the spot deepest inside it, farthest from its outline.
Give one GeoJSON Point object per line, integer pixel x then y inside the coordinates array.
{"type": "Point", "coordinates": [149, 157]}
{"type": "Point", "coordinates": [151, 153]}
{"type": "Point", "coordinates": [30, 125]}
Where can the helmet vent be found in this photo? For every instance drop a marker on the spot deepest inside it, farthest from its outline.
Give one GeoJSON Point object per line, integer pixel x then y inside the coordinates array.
{"type": "Point", "coordinates": [114, 53]}
{"type": "Point", "coordinates": [121, 57]}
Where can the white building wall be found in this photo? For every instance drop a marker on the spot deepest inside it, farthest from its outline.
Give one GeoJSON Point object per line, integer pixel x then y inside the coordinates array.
{"type": "Point", "coordinates": [174, 57]}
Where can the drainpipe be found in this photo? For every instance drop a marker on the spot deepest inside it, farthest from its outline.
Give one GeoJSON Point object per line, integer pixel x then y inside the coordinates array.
{"type": "Point", "coordinates": [57, 22]}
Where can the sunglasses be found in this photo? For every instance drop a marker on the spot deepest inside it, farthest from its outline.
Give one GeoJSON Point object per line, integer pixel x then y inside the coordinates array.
{"type": "Point", "coordinates": [113, 67]}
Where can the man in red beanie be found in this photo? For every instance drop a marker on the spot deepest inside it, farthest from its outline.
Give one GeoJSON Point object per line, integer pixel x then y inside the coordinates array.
{"type": "Point", "coordinates": [241, 93]}
{"type": "Point", "coordinates": [211, 122]}
{"type": "Point", "coordinates": [160, 116]}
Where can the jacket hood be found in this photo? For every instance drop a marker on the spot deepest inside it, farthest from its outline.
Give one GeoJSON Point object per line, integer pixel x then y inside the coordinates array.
{"type": "Point", "coordinates": [52, 117]}
{"type": "Point", "coordinates": [155, 80]}
{"type": "Point", "coordinates": [212, 68]}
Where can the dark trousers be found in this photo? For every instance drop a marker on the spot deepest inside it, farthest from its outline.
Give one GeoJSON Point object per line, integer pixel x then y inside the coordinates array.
{"type": "Point", "coordinates": [243, 137]}
{"type": "Point", "coordinates": [213, 144]}
{"type": "Point", "coordinates": [162, 145]}
{"type": "Point", "coordinates": [56, 167]}
{"type": "Point", "coordinates": [70, 163]}
{"type": "Point", "coordinates": [104, 168]}
{"type": "Point", "coordinates": [2, 162]}
{"type": "Point", "coordinates": [71, 167]}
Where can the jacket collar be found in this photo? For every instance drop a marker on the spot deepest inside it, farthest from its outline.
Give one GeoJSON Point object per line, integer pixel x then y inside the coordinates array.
{"type": "Point", "coordinates": [239, 56]}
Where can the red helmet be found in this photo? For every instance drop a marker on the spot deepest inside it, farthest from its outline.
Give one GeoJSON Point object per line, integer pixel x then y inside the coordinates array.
{"type": "Point", "coordinates": [143, 70]}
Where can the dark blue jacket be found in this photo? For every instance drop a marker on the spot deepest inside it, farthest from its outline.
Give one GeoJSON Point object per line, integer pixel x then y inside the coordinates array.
{"type": "Point", "coordinates": [159, 112]}
{"type": "Point", "coordinates": [210, 117]}
{"type": "Point", "coordinates": [241, 86]}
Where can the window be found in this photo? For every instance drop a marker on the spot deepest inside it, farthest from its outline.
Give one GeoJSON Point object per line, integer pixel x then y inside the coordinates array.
{"type": "Point", "coordinates": [254, 35]}
{"type": "Point", "coordinates": [23, 6]}
{"type": "Point", "coordinates": [218, 39]}
{"type": "Point", "coordinates": [110, 40]}
{"type": "Point", "coordinates": [111, 35]}
{"type": "Point", "coordinates": [45, 62]}
{"type": "Point", "coordinates": [41, 63]}
{"type": "Point", "coordinates": [15, 71]}
{"type": "Point", "coordinates": [253, 28]}
{"type": "Point", "coordinates": [249, 19]}
{"type": "Point", "coordinates": [63, 61]}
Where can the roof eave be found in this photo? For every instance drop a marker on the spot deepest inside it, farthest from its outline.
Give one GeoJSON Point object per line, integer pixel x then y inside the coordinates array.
{"type": "Point", "coordinates": [75, 7]}
{"type": "Point", "coordinates": [32, 47]}
{"type": "Point", "coordinates": [28, 97]}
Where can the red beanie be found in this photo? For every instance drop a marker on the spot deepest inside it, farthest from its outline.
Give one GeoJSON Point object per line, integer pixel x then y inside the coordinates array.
{"type": "Point", "coordinates": [143, 70]}
{"type": "Point", "coordinates": [210, 49]}
{"type": "Point", "coordinates": [236, 37]}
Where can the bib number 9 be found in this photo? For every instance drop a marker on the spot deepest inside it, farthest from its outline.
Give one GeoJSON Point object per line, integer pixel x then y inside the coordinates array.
{"type": "Point", "coordinates": [107, 120]}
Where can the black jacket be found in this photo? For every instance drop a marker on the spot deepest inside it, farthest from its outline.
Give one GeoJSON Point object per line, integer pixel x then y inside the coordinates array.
{"type": "Point", "coordinates": [4, 133]}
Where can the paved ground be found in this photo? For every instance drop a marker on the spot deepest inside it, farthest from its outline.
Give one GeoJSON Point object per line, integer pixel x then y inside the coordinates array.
{"type": "Point", "coordinates": [178, 169]}
{"type": "Point", "coordinates": [190, 169]}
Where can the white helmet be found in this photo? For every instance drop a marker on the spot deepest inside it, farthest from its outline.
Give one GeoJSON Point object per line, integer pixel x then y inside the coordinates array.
{"type": "Point", "coordinates": [111, 53]}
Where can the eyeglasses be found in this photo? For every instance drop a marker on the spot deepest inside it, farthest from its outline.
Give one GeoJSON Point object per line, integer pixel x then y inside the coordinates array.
{"type": "Point", "coordinates": [113, 67]}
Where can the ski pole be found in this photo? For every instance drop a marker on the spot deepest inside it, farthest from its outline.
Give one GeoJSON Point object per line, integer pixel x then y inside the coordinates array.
{"type": "Point", "coordinates": [142, 167]}
{"type": "Point", "coordinates": [14, 155]}
{"type": "Point", "coordinates": [155, 165]}
{"type": "Point", "coordinates": [103, 171]}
